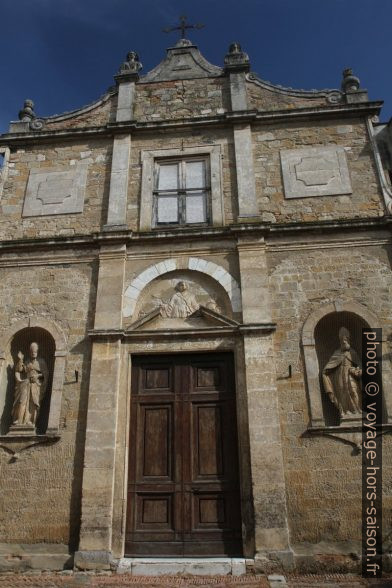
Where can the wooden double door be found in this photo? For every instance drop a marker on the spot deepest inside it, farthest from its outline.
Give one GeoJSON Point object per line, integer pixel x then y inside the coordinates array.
{"type": "Point", "coordinates": [183, 486]}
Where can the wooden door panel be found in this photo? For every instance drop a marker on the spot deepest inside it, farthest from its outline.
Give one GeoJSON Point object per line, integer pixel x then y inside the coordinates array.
{"type": "Point", "coordinates": [155, 441]}
{"type": "Point", "coordinates": [207, 449]}
{"type": "Point", "coordinates": [154, 511]}
{"type": "Point", "coordinates": [183, 492]}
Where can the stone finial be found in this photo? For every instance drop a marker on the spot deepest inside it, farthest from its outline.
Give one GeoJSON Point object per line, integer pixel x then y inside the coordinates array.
{"type": "Point", "coordinates": [350, 82]}
{"type": "Point", "coordinates": [184, 43]}
{"type": "Point", "coordinates": [27, 113]}
{"type": "Point", "coordinates": [236, 58]}
{"type": "Point", "coordinates": [131, 65]}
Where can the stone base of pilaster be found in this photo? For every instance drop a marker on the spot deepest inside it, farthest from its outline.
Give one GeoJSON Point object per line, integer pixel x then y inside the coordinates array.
{"type": "Point", "coordinates": [274, 561]}
{"type": "Point", "coordinates": [93, 560]}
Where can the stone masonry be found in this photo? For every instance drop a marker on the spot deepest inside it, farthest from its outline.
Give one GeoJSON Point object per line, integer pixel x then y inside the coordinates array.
{"type": "Point", "coordinates": [81, 247]}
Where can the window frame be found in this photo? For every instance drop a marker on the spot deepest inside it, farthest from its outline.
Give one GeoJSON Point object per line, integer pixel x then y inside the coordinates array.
{"type": "Point", "coordinates": [215, 210]}
{"type": "Point", "coordinates": [181, 192]}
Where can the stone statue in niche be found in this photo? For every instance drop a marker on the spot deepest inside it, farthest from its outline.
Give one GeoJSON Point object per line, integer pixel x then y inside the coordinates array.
{"type": "Point", "coordinates": [31, 380]}
{"type": "Point", "coordinates": [341, 377]}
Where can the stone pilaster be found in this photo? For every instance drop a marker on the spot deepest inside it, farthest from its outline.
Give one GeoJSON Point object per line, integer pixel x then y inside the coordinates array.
{"type": "Point", "coordinates": [126, 79]}
{"type": "Point", "coordinates": [126, 95]}
{"type": "Point", "coordinates": [246, 187]}
{"type": "Point", "coordinates": [254, 280]}
{"type": "Point", "coordinates": [267, 472]}
{"type": "Point", "coordinates": [236, 66]}
{"type": "Point", "coordinates": [108, 309]}
{"type": "Point", "coordinates": [102, 418]}
{"type": "Point", "coordinates": [118, 192]}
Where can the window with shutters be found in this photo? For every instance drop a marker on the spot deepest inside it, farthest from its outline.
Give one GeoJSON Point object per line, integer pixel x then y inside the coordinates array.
{"type": "Point", "coordinates": [181, 192]}
{"type": "Point", "coordinates": [181, 187]}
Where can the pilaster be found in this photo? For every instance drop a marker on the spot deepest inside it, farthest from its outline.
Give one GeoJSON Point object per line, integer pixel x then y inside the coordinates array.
{"type": "Point", "coordinates": [246, 186]}
{"type": "Point", "coordinates": [118, 192]}
{"type": "Point", "coordinates": [254, 280]}
{"type": "Point", "coordinates": [267, 471]}
{"type": "Point", "coordinates": [102, 418]}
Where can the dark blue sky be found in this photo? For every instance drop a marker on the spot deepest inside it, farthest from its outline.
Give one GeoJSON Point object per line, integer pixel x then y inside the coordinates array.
{"type": "Point", "coordinates": [63, 53]}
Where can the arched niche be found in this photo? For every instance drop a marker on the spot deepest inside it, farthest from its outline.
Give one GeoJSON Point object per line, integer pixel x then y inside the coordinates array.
{"type": "Point", "coordinates": [52, 347]}
{"type": "Point", "coordinates": [320, 338]}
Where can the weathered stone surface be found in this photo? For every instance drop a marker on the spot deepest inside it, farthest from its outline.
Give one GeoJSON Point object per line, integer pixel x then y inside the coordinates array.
{"type": "Point", "coordinates": [315, 171]}
{"type": "Point", "coordinates": [41, 556]}
{"type": "Point", "coordinates": [256, 259]}
{"type": "Point", "coordinates": [184, 566]}
{"type": "Point", "coordinates": [55, 192]}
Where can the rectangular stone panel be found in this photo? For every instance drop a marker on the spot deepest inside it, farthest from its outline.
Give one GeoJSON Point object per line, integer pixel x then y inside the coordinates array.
{"type": "Point", "coordinates": [55, 192]}
{"type": "Point", "coordinates": [315, 171]}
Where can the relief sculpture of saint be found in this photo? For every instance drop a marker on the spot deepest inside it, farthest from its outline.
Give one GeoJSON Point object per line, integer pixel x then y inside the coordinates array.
{"type": "Point", "coordinates": [342, 377]}
{"type": "Point", "coordinates": [31, 380]}
{"type": "Point", "coordinates": [182, 304]}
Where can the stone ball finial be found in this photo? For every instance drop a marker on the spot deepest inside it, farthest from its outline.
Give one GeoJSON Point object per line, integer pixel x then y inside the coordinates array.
{"type": "Point", "coordinates": [27, 113]}
{"type": "Point", "coordinates": [236, 58]}
{"type": "Point", "coordinates": [350, 82]}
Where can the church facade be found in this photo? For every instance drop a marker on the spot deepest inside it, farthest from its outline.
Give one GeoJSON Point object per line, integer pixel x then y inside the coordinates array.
{"type": "Point", "coordinates": [187, 265]}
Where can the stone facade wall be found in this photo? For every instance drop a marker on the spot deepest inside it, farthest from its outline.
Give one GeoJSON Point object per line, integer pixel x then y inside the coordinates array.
{"type": "Point", "coordinates": [41, 490]}
{"type": "Point", "coordinates": [99, 115]}
{"type": "Point", "coordinates": [175, 140]}
{"type": "Point", "coordinates": [268, 141]}
{"type": "Point", "coordinates": [96, 154]}
{"type": "Point", "coordinates": [181, 99]}
{"type": "Point", "coordinates": [323, 477]}
{"type": "Point", "coordinates": [264, 99]}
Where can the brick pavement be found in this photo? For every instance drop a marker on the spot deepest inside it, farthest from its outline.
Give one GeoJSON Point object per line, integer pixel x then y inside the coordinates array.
{"type": "Point", "coordinates": [108, 580]}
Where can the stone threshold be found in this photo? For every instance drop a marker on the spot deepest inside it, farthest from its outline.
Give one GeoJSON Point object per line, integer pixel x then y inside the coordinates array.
{"type": "Point", "coordinates": [195, 566]}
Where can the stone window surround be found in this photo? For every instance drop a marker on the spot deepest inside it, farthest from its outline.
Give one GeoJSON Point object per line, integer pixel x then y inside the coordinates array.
{"type": "Point", "coordinates": [181, 192]}
{"type": "Point", "coordinates": [58, 367]}
{"type": "Point", "coordinates": [5, 151]}
{"type": "Point", "coordinates": [312, 375]}
{"type": "Point", "coordinates": [148, 159]}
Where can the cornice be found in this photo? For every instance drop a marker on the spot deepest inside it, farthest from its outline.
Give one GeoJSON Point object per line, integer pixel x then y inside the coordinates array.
{"type": "Point", "coordinates": [327, 112]}
{"type": "Point", "coordinates": [220, 331]}
{"type": "Point", "coordinates": [179, 236]}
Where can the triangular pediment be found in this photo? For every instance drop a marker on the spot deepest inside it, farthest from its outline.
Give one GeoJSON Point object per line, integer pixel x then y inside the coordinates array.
{"type": "Point", "coordinates": [200, 319]}
{"type": "Point", "coordinates": [182, 62]}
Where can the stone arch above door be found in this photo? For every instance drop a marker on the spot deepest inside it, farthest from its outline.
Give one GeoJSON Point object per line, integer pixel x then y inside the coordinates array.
{"type": "Point", "coordinates": [196, 264]}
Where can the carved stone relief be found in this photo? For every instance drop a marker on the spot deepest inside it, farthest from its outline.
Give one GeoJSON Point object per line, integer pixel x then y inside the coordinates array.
{"type": "Point", "coordinates": [315, 171]}
{"type": "Point", "coordinates": [55, 192]}
{"type": "Point", "coordinates": [177, 297]}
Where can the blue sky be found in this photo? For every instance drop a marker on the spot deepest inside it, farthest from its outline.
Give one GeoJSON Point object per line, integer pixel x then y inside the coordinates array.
{"type": "Point", "coordinates": [63, 53]}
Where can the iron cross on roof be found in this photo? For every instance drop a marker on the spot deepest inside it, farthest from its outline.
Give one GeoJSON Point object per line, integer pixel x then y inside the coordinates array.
{"type": "Point", "coordinates": [183, 26]}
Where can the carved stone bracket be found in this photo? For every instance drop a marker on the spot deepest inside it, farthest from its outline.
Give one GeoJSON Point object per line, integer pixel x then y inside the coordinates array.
{"type": "Point", "coordinates": [350, 435]}
{"type": "Point", "coordinates": [15, 444]}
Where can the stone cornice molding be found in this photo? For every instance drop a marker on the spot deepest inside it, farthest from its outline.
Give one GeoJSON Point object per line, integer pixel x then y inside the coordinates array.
{"type": "Point", "coordinates": [183, 236]}
{"type": "Point", "coordinates": [247, 116]}
{"type": "Point", "coordinates": [334, 93]}
{"type": "Point", "coordinates": [224, 331]}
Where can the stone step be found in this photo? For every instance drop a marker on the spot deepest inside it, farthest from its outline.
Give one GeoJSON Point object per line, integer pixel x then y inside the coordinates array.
{"type": "Point", "coordinates": [141, 566]}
